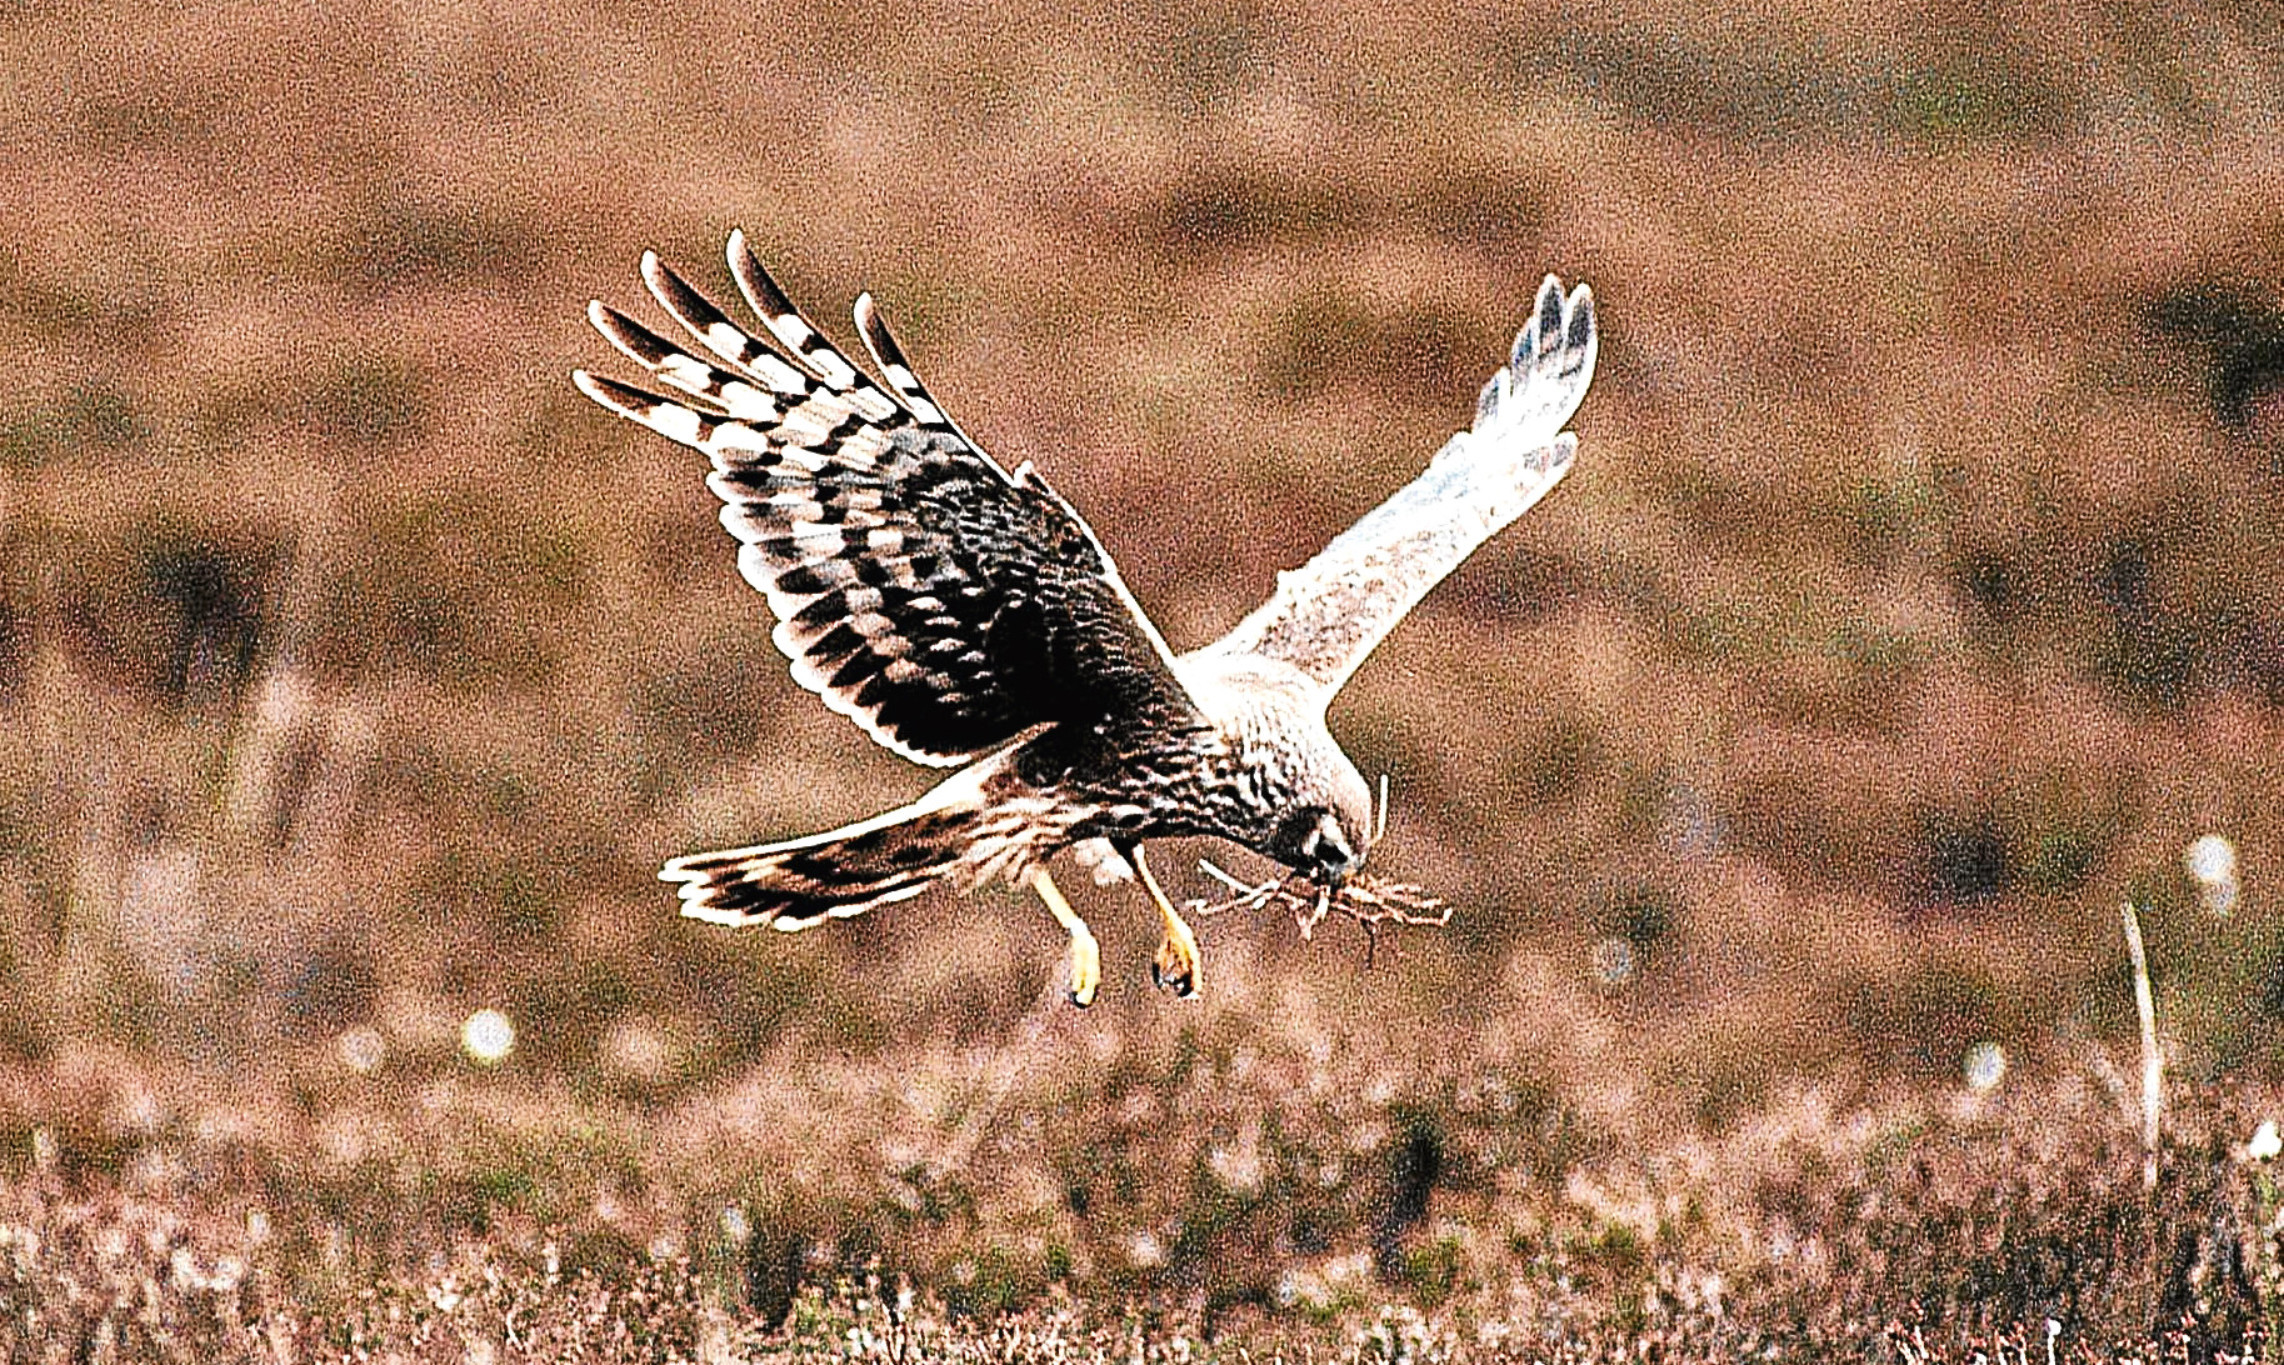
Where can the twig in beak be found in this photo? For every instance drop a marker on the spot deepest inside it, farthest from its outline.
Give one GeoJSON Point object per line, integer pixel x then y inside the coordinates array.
{"type": "Point", "coordinates": [1370, 901]}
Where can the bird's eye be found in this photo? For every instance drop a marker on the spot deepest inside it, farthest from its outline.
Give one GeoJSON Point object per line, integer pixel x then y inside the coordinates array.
{"type": "Point", "coordinates": [1313, 842]}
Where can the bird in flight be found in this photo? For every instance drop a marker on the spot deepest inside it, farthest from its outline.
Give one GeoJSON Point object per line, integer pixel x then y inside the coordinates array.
{"type": "Point", "coordinates": [965, 615]}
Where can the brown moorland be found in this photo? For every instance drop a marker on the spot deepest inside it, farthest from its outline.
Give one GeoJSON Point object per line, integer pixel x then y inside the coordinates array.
{"type": "Point", "coordinates": [1915, 602]}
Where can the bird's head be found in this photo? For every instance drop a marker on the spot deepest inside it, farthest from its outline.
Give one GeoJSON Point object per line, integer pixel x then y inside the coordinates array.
{"type": "Point", "coordinates": [1326, 833]}
{"type": "Point", "coordinates": [1303, 803]}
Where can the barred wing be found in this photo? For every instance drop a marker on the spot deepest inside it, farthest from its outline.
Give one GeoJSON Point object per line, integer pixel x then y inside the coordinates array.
{"type": "Point", "coordinates": [1327, 616]}
{"type": "Point", "coordinates": [942, 603]}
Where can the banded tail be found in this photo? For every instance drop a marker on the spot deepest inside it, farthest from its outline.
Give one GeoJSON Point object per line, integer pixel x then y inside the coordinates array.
{"type": "Point", "coordinates": [977, 824]}
{"type": "Point", "coordinates": [841, 872]}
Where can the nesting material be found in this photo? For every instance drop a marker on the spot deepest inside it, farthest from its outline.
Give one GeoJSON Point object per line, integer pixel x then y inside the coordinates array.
{"type": "Point", "coordinates": [1372, 902]}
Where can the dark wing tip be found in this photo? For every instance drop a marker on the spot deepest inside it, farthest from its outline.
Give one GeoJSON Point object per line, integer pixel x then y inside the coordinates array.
{"type": "Point", "coordinates": [1549, 309]}
{"type": "Point", "coordinates": [624, 399]}
{"type": "Point", "coordinates": [754, 280]}
{"type": "Point", "coordinates": [677, 296]}
{"type": "Point", "coordinates": [1583, 340]}
{"type": "Point", "coordinates": [895, 370]}
{"type": "Point", "coordinates": [799, 337]}
{"type": "Point", "coordinates": [1544, 329]}
{"type": "Point", "coordinates": [633, 340]}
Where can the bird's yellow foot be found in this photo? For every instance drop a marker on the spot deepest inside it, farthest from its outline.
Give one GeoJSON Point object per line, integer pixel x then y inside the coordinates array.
{"type": "Point", "coordinates": [1176, 965]}
{"type": "Point", "coordinates": [1086, 956]}
{"type": "Point", "coordinates": [1086, 968]}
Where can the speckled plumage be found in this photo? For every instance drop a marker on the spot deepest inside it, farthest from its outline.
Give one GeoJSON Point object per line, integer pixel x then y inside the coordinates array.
{"type": "Point", "coordinates": [965, 614]}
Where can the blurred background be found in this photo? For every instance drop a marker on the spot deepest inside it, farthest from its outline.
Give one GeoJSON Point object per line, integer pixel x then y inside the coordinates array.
{"type": "Point", "coordinates": [1914, 602]}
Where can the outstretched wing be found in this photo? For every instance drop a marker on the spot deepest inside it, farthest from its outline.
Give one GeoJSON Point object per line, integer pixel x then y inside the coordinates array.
{"type": "Point", "coordinates": [1330, 613]}
{"type": "Point", "coordinates": [941, 602]}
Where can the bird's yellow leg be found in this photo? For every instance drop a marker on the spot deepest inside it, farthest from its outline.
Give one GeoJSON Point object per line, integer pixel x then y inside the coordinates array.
{"type": "Point", "coordinates": [1086, 958]}
{"type": "Point", "coordinates": [1176, 966]}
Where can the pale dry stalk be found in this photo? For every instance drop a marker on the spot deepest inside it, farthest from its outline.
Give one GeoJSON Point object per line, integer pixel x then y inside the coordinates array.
{"type": "Point", "coordinates": [2152, 1059]}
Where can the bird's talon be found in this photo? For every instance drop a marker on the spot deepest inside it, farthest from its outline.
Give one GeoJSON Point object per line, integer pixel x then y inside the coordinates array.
{"type": "Point", "coordinates": [1176, 966]}
{"type": "Point", "coordinates": [1175, 970]}
{"type": "Point", "coordinates": [1086, 956]}
{"type": "Point", "coordinates": [1086, 970]}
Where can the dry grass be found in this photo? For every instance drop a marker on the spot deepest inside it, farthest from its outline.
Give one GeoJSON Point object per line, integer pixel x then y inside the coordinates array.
{"type": "Point", "coordinates": [1478, 1225]}
{"type": "Point", "coordinates": [1914, 602]}
{"type": "Point", "coordinates": [1373, 903]}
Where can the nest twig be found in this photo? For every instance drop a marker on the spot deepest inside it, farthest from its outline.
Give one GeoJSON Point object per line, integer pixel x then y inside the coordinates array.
{"type": "Point", "coordinates": [1372, 902]}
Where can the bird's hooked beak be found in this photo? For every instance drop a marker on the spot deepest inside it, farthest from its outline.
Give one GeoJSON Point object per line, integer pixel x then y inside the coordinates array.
{"type": "Point", "coordinates": [1331, 859]}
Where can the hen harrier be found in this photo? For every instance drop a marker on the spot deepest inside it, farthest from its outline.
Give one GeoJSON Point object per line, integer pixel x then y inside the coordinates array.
{"type": "Point", "coordinates": [964, 614]}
